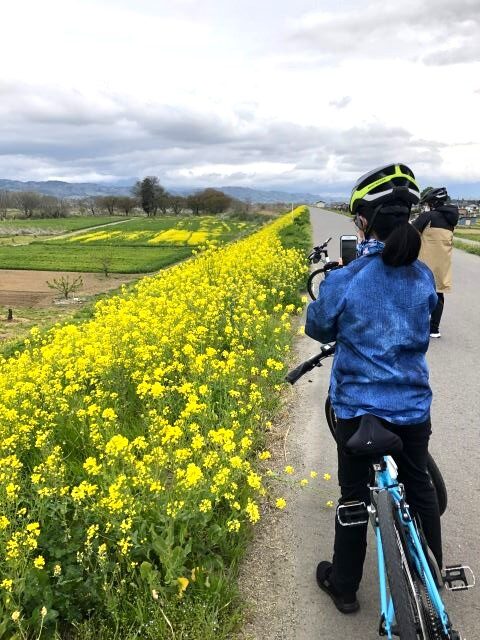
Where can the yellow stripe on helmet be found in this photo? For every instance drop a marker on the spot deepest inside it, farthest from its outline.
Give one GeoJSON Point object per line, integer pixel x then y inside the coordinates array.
{"type": "Point", "coordinates": [359, 194]}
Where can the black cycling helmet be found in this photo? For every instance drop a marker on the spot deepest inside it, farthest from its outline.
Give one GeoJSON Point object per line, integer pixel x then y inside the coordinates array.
{"type": "Point", "coordinates": [435, 197]}
{"type": "Point", "coordinates": [393, 183]}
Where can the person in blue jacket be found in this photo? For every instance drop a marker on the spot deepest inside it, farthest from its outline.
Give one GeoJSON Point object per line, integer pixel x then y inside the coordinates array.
{"type": "Point", "coordinates": [377, 309]}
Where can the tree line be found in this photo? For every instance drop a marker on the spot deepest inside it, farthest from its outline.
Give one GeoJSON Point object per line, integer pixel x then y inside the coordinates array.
{"type": "Point", "coordinates": [147, 194]}
{"type": "Point", "coordinates": [154, 198]}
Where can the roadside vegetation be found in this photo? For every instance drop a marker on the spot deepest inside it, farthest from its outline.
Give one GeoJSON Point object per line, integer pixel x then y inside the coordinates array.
{"type": "Point", "coordinates": [469, 248]}
{"type": "Point", "coordinates": [133, 444]}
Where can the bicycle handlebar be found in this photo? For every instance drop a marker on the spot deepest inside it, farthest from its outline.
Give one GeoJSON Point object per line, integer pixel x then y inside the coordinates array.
{"type": "Point", "coordinates": [316, 253]}
{"type": "Point", "coordinates": [326, 351]}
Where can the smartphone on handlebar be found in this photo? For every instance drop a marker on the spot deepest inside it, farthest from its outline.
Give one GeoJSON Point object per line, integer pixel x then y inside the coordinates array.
{"type": "Point", "coordinates": [348, 248]}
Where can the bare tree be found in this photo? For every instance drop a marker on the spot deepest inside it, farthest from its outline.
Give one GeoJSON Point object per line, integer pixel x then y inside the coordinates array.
{"type": "Point", "coordinates": [177, 205]}
{"type": "Point", "coordinates": [52, 207]}
{"type": "Point", "coordinates": [106, 260]}
{"type": "Point", "coordinates": [6, 203]}
{"type": "Point", "coordinates": [108, 203]}
{"type": "Point", "coordinates": [65, 286]}
{"type": "Point", "coordinates": [194, 202]}
{"type": "Point", "coordinates": [28, 202]}
{"type": "Point", "coordinates": [126, 204]}
{"type": "Point", "coordinates": [89, 204]}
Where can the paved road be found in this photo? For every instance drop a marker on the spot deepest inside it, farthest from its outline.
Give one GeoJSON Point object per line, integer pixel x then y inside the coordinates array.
{"type": "Point", "coordinates": [455, 377]}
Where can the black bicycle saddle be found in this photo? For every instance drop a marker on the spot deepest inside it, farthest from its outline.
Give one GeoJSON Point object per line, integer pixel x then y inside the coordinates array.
{"type": "Point", "coordinates": [373, 439]}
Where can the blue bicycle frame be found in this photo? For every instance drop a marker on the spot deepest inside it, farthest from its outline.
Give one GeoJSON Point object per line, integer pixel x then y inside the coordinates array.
{"type": "Point", "coordinates": [385, 481]}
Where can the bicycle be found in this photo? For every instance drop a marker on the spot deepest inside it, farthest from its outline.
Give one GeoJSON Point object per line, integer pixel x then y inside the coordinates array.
{"type": "Point", "coordinates": [319, 254]}
{"type": "Point", "coordinates": [412, 607]}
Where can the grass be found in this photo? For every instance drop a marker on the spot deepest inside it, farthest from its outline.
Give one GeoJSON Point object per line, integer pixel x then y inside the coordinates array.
{"type": "Point", "coordinates": [474, 235]}
{"type": "Point", "coordinates": [61, 257]}
{"type": "Point", "coordinates": [31, 226]}
{"type": "Point", "coordinates": [298, 234]}
{"type": "Point", "coordinates": [469, 248]}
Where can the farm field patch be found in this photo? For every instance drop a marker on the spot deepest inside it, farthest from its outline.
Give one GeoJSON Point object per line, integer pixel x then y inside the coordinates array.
{"type": "Point", "coordinates": [52, 226]}
{"type": "Point", "coordinates": [78, 257]}
{"type": "Point", "coordinates": [165, 231]}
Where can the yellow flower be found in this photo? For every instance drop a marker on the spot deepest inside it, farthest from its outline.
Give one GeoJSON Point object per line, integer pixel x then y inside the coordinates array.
{"type": "Point", "coordinates": [329, 503]}
{"type": "Point", "coordinates": [252, 511]}
{"type": "Point", "coordinates": [264, 455]}
{"type": "Point", "coordinates": [233, 525]}
{"type": "Point", "coordinates": [303, 482]}
{"type": "Point", "coordinates": [205, 506]}
{"type": "Point", "coordinates": [116, 445]}
{"type": "Point", "coordinates": [109, 414]}
{"type": "Point", "coordinates": [193, 475]}
{"type": "Point", "coordinates": [124, 545]}
{"type": "Point", "coordinates": [254, 480]}
{"type": "Point", "coordinates": [16, 616]}
{"type": "Point", "coordinates": [6, 584]}
{"type": "Point", "coordinates": [289, 469]}
{"type": "Point", "coordinates": [313, 474]}
{"type": "Point", "coordinates": [182, 585]}
{"type": "Point", "coordinates": [91, 467]}
{"type": "Point", "coordinates": [327, 476]}
{"type": "Point", "coordinates": [280, 503]}
{"type": "Point", "coordinates": [39, 562]}
{"type": "Point", "coordinates": [43, 611]}
{"type": "Point", "coordinates": [57, 570]}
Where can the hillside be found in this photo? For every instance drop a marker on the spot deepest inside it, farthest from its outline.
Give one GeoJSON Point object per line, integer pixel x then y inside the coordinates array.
{"type": "Point", "coordinates": [63, 189]}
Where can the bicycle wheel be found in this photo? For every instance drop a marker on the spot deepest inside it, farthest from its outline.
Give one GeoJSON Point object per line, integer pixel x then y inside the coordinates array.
{"type": "Point", "coordinates": [314, 281]}
{"type": "Point", "coordinates": [439, 484]}
{"type": "Point", "coordinates": [426, 614]}
{"type": "Point", "coordinates": [404, 603]}
{"type": "Point", "coordinates": [432, 468]}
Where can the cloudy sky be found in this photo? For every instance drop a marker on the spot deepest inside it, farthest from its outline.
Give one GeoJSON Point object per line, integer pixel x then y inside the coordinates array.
{"type": "Point", "coordinates": [267, 93]}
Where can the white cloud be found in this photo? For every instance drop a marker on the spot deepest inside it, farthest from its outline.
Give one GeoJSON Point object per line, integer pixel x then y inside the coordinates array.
{"type": "Point", "coordinates": [251, 92]}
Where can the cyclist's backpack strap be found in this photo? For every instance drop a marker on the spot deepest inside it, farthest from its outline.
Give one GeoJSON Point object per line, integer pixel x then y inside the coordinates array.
{"type": "Point", "coordinates": [372, 438]}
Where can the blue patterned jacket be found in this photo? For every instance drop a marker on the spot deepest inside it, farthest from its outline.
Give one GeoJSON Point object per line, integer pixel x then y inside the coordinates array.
{"type": "Point", "coordinates": [379, 317]}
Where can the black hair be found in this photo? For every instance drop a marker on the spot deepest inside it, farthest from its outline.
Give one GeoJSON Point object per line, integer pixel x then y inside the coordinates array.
{"type": "Point", "coordinates": [390, 225]}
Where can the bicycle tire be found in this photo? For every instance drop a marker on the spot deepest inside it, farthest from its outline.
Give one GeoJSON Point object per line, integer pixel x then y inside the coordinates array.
{"type": "Point", "coordinates": [439, 484]}
{"type": "Point", "coordinates": [432, 467]}
{"type": "Point", "coordinates": [426, 614]}
{"type": "Point", "coordinates": [314, 281]}
{"type": "Point", "coordinates": [406, 627]}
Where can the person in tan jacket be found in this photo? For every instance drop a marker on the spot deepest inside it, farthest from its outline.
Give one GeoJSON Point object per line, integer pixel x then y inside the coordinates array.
{"type": "Point", "coordinates": [436, 226]}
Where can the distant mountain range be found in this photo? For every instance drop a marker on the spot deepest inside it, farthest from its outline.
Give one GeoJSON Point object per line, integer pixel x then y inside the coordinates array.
{"type": "Point", "coordinates": [63, 189]}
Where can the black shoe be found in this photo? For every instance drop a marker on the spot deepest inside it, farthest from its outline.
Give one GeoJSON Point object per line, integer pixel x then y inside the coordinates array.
{"type": "Point", "coordinates": [347, 602]}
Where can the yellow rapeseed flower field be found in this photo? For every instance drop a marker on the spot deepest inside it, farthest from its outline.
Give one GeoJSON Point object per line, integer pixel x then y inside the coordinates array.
{"type": "Point", "coordinates": [128, 443]}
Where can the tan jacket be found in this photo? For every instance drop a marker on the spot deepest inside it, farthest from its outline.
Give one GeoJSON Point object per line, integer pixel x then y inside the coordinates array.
{"type": "Point", "coordinates": [436, 253]}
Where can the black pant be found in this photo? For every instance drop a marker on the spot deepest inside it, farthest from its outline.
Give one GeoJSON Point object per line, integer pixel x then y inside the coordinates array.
{"type": "Point", "coordinates": [437, 314]}
{"type": "Point", "coordinates": [354, 475]}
